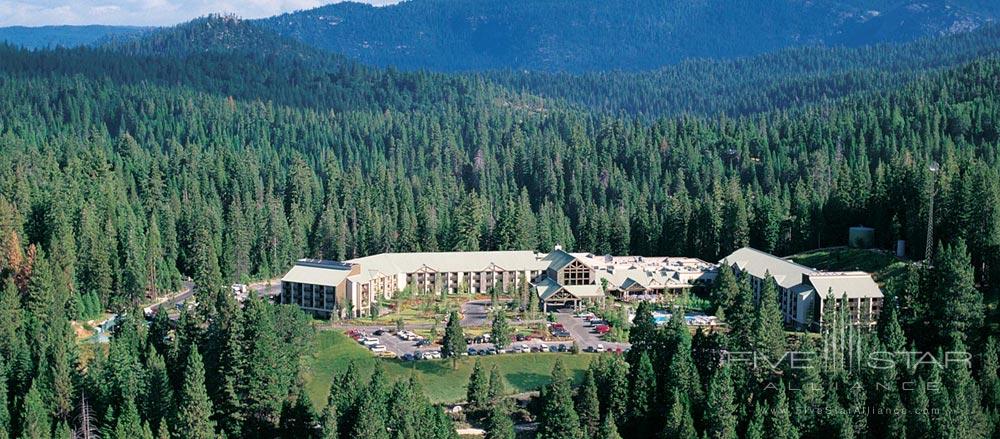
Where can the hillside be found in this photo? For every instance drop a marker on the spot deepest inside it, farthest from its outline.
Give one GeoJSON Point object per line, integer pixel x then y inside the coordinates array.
{"type": "Point", "coordinates": [228, 57]}
{"type": "Point", "coordinates": [63, 36]}
{"type": "Point", "coordinates": [785, 79]}
{"type": "Point", "coordinates": [589, 35]}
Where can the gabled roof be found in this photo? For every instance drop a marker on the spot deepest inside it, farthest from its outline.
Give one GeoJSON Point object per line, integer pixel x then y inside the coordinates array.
{"type": "Point", "coordinates": [558, 258]}
{"type": "Point", "coordinates": [317, 272]}
{"type": "Point", "coordinates": [547, 288]}
{"type": "Point", "coordinates": [855, 284]}
{"type": "Point", "coordinates": [785, 273]}
{"type": "Point", "coordinates": [393, 263]}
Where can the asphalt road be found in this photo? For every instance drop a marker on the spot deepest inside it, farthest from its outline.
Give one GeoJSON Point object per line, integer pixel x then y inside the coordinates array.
{"type": "Point", "coordinates": [584, 335]}
{"type": "Point", "coordinates": [475, 313]}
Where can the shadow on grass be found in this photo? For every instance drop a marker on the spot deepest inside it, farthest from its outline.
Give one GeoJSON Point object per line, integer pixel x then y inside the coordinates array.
{"type": "Point", "coordinates": [528, 380]}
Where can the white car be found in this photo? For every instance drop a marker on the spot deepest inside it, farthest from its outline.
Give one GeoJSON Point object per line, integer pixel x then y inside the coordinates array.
{"type": "Point", "coordinates": [544, 348]}
{"type": "Point", "coordinates": [378, 349]}
{"type": "Point", "coordinates": [370, 341]}
{"type": "Point", "coordinates": [524, 348]}
{"type": "Point", "coordinates": [600, 348]}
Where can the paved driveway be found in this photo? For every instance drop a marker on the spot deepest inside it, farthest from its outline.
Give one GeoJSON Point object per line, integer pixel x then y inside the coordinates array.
{"type": "Point", "coordinates": [583, 334]}
{"type": "Point", "coordinates": [475, 313]}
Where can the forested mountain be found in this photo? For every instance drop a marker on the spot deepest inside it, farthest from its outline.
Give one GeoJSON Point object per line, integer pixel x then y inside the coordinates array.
{"type": "Point", "coordinates": [124, 168]}
{"type": "Point", "coordinates": [593, 35]}
{"type": "Point", "coordinates": [63, 36]}
{"type": "Point", "coordinates": [229, 57]}
{"type": "Point", "coordinates": [785, 79]}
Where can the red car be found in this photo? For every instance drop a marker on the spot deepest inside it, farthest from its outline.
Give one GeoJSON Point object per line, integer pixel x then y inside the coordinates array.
{"type": "Point", "coordinates": [602, 329]}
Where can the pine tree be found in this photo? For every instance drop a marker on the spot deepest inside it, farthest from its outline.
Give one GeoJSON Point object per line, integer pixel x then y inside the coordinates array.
{"type": "Point", "coordinates": [345, 391]}
{"type": "Point", "coordinates": [642, 398]}
{"type": "Point", "coordinates": [587, 405]}
{"type": "Point", "coordinates": [608, 429]}
{"type": "Point", "coordinates": [454, 339]}
{"type": "Point", "coordinates": [499, 424]}
{"type": "Point", "coordinates": [477, 392]}
{"type": "Point", "coordinates": [779, 424]}
{"type": "Point", "coordinates": [129, 425]}
{"type": "Point", "coordinates": [328, 423]}
{"type": "Point", "coordinates": [6, 425]}
{"type": "Point", "coordinates": [612, 375]}
{"type": "Point", "coordinates": [558, 419]}
{"type": "Point", "coordinates": [163, 432]}
{"type": "Point", "coordinates": [918, 421]}
{"type": "Point", "coordinates": [725, 288]}
{"type": "Point", "coordinates": [405, 409]}
{"type": "Point", "coordinates": [35, 421]}
{"type": "Point", "coordinates": [988, 380]}
{"type": "Point", "coordinates": [755, 429]}
{"type": "Point", "coordinates": [60, 378]}
{"type": "Point", "coordinates": [500, 331]}
{"type": "Point", "coordinates": [680, 424]}
{"type": "Point", "coordinates": [768, 335]}
{"type": "Point", "coordinates": [266, 385]}
{"type": "Point", "coordinates": [642, 334]}
{"type": "Point", "coordinates": [956, 307]}
{"type": "Point", "coordinates": [720, 410]}
{"type": "Point", "coordinates": [370, 424]}
{"type": "Point", "coordinates": [158, 402]}
{"type": "Point", "coordinates": [498, 390]}
{"type": "Point", "coordinates": [298, 419]}
{"type": "Point", "coordinates": [194, 409]}
{"type": "Point", "coordinates": [468, 227]}
{"type": "Point", "coordinates": [741, 318]}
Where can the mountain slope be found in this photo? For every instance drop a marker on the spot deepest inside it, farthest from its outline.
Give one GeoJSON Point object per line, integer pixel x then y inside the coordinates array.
{"type": "Point", "coordinates": [235, 58]}
{"type": "Point", "coordinates": [587, 35]}
{"type": "Point", "coordinates": [63, 36]}
{"type": "Point", "coordinates": [773, 81]}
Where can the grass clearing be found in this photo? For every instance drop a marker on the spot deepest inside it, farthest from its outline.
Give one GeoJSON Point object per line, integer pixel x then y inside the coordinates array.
{"type": "Point", "coordinates": [884, 266]}
{"type": "Point", "coordinates": [524, 372]}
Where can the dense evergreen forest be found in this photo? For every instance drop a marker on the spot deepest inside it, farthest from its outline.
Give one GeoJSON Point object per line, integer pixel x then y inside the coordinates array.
{"type": "Point", "coordinates": [592, 35]}
{"type": "Point", "coordinates": [124, 169]}
{"type": "Point", "coordinates": [786, 79]}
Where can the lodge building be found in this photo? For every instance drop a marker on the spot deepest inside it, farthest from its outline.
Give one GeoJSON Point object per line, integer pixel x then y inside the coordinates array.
{"type": "Point", "coordinates": [803, 292]}
{"type": "Point", "coordinates": [559, 278]}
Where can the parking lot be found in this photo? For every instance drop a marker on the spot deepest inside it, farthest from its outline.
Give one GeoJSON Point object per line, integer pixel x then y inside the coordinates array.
{"type": "Point", "coordinates": [387, 343]}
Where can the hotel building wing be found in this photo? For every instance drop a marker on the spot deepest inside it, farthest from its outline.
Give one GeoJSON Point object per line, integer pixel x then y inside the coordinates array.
{"type": "Point", "coordinates": [559, 278]}
{"type": "Point", "coordinates": [803, 291]}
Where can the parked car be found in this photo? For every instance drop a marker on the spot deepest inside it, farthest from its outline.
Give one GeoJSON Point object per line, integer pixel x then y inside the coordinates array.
{"type": "Point", "coordinates": [433, 354]}
{"type": "Point", "coordinates": [562, 348]}
{"type": "Point", "coordinates": [525, 348]}
{"type": "Point", "coordinates": [473, 351]}
{"type": "Point", "coordinates": [423, 342]}
{"type": "Point", "coordinates": [602, 329]}
{"type": "Point", "coordinates": [379, 331]}
{"type": "Point", "coordinates": [407, 357]}
{"type": "Point", "coordinates": [378, 348]}
{"type": "Point", "coordinates": [370, 341]}
{"type": "Point", "coordinates": [543, 348]}
{"type": "Point", "coordinates": [600, 348]}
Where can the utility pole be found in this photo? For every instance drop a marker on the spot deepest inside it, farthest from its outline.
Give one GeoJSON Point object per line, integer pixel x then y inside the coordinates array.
{"type": "Point", "coordinates": [933, 167]}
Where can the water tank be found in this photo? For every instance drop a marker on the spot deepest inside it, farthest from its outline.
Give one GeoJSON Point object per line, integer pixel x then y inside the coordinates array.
{"type": "Point", "coordinates": [861, 237]}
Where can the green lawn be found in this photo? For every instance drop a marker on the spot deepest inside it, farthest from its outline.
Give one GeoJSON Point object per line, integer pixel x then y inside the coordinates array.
{"type": "Point", "coordinates": [883, 266]}
{"type": "Point", "coordinates": [442, 384]}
